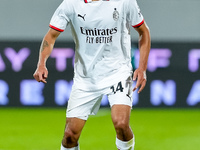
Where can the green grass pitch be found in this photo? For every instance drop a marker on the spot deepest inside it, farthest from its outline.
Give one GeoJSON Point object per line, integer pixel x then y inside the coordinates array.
{"type": "Point", "coordinates": [155, 129]}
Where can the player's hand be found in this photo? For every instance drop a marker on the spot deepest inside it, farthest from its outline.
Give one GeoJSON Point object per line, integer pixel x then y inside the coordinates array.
{"type": "Point", "coordinates": [41, 74]}
{"type": "Point", "coordinates": [141, 77]}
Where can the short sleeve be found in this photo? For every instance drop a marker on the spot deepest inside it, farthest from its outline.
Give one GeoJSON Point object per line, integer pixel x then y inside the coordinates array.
{"type": "Point", "coordinates": [60, 18]}
{"type": "Point", "coordinates": [135, 16]}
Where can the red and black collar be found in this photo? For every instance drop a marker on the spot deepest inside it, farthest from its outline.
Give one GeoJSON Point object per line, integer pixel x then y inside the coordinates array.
{"type": "Point", "coordinates": [89, 1]}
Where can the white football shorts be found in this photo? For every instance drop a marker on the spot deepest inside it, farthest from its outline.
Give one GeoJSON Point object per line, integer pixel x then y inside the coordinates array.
{"type": "Point", "coordinates": [82, 103]}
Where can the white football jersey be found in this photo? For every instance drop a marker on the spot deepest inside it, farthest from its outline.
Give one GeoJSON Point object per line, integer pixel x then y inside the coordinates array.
{"type": "Point", "coordinates": [101, 31]}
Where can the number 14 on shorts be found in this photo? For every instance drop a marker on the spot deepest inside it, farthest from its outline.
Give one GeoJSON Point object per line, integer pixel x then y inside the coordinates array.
{"type": "Point", "coordinates": [117, 87]}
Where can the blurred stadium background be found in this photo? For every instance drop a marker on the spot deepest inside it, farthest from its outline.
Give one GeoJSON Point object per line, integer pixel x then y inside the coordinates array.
{"type": "Point", "coordinates": [165, 115]}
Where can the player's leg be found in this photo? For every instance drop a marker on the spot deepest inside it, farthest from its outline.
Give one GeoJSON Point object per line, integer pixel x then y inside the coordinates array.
{"type": "Point", "coordinates": [72, 133]}
{"type": "Point", "coordinates": [120, 99]}
{"type": "Point", "coordinates": [120, 117]}
{"type": "Point", "coordinates": [81, 104]}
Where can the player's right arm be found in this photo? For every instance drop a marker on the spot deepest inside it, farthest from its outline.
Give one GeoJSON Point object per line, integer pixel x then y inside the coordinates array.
{"type": "Point", "coordinates": [46, 48]}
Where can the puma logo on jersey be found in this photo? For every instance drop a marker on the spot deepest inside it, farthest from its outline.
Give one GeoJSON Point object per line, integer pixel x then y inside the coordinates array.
{"type": "Point", "coordinates": [83, 17]}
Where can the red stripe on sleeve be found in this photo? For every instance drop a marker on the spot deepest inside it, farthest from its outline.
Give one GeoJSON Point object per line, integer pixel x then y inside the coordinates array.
{"type": "Point", "coordinates": [137, 25]}
{"type": "Point", "coordinates": [57, 29]}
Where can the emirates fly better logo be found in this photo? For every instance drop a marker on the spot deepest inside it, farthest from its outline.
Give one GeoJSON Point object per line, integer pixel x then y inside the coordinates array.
{"type": "Point", "coordinates": [98, 35]}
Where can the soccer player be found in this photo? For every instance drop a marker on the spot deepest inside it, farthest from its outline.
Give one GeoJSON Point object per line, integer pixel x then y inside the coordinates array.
{"type": "Point", "coordinates": [101, 31]}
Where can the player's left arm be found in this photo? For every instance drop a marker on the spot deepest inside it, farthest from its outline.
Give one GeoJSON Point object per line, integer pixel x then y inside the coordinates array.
{"type": "Point", "coordinates": [144, 47]}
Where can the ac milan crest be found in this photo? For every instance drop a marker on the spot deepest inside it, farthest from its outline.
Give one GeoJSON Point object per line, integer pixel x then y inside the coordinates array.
{"type": "Point", "coordinates": [115, 14]}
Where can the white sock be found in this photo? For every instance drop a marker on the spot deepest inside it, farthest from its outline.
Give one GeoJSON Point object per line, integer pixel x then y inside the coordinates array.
{"type": "Point", "coordinates": [122, 145]}
{"type": "Point", "coordinates": [73, 148]}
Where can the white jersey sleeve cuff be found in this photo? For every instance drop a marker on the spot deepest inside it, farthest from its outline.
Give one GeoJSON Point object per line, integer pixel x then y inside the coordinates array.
{"type": "Point", "coordinates": [55, 28]}
{"type": "Point", "coordinates": [139, 24]}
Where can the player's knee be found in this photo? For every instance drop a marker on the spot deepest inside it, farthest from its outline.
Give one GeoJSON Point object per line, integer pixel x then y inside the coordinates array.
{"type": "Point", "coordinates": [121, 125]}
